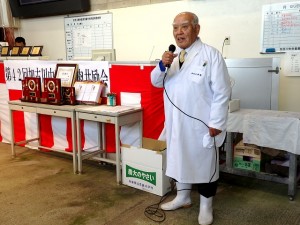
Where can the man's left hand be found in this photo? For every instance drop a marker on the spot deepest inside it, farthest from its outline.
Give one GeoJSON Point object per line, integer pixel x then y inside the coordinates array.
{"type": "Point", "coordinates": [214, 132]}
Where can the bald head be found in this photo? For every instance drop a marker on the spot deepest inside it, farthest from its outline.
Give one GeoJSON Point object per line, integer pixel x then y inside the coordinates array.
{"type": "Point", "coordinates": [193, 17]}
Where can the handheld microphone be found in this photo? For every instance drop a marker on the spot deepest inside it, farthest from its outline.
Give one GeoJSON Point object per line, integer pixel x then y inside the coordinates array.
{"type": "Point", "coordinates": [172, 49]}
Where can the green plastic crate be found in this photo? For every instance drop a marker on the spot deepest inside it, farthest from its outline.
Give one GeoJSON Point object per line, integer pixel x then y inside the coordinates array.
{"type": "Point", "coordinates": [247, 163]}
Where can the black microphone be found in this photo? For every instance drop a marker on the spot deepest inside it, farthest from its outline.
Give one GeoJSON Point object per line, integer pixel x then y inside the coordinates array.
{"type": "Point", "coordinates": [172, 49]}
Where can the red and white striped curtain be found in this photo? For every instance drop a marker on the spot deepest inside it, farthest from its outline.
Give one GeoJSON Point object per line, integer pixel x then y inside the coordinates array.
{"type": "Point", "coordinates": [56, 132]}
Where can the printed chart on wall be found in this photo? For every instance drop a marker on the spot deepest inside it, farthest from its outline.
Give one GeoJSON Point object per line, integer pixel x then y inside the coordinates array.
{"type": "Point", "coordinates": [291, 64]}
{"type": "Point", "coordinates": [281, 27]}
{"type": "Point", "coordinates": [85, 33]}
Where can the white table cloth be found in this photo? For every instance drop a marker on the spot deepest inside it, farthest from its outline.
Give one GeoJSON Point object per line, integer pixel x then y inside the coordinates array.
{"type": "Point", "coordinates": [267, 128]}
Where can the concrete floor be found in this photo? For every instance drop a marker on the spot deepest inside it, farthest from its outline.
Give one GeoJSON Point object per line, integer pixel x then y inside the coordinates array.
{"type": "Point", "coordinates": [40, 189]}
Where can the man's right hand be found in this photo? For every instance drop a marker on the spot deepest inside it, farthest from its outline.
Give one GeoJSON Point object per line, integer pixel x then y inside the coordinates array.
{"type": "Point", "coordinates": [168, 57]}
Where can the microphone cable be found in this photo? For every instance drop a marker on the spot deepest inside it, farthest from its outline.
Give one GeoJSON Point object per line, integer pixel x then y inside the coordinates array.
{"type": "Point", "coordinates": [224, 45]}
{"type": "Point", "coordinates": [156, 214]}
{"type": "Point", "coordinates": [153, 212]}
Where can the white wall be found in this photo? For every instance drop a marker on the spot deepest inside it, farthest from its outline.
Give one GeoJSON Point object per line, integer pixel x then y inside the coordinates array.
{"type": "Point", "coordinates": [137, 30]}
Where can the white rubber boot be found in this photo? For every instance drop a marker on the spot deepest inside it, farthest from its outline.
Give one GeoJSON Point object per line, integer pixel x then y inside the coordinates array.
{"type": "Point", "coordinates": [182, 199]}
{"type": "Point", "coordinates": [206, 211]}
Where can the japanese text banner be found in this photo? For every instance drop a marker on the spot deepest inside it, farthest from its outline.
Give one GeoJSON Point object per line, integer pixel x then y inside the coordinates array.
{"type": "Point", "coordinates": [16, 70]}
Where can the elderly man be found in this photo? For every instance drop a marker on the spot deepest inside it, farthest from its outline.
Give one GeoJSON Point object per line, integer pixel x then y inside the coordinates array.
{"type": "Point", "coordinates": [197, 91]}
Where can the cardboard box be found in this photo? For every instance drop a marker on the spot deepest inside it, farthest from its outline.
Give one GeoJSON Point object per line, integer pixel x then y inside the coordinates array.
{"type": "Point", "coordinates": [247, 157]}
{"type": "Point", "coordinates": [144, 168]}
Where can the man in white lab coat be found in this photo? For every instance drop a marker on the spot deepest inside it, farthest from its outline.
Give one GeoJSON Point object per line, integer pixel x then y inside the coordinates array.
{"type": "Point", "coordinates": [196, 97]}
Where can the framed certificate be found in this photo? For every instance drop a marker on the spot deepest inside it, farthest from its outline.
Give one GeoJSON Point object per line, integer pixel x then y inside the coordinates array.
{"type": "Point", "coordinates": [15, 51]}
{"type": "Point", "coordinates": [4, 51]}
{"type": "Point", "coordinates": [25, 51]}
{"type": "Point", "coordinates": [67, 73]}
{"type": "Point", "coordinates": [36, 51]}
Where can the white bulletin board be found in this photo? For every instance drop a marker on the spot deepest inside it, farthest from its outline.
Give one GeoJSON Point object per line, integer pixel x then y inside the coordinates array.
{"type": "Point", "coordinates": [84, 33]}
{"type": "Point", "coordinates": [281, 27]}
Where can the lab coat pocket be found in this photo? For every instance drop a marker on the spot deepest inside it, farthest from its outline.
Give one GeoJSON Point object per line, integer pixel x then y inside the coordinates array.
{"type": "Point", "coordinates": [197, 74]}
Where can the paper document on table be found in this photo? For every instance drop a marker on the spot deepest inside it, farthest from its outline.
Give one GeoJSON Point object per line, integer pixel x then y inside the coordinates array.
{"type": "Point", "coordinates": [131, 99]}
{"type": "Point", "coordinates": [88, 92]}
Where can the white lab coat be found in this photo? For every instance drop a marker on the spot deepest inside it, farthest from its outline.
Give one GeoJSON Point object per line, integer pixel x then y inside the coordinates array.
{"type": "Point", "coordinates": [201, 89]}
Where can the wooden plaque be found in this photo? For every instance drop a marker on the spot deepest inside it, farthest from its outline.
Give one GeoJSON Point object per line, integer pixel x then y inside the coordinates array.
{"type": "Point", "coordinates": [36, 51]}
{"type": "Point", "coordinates": [15, 51]}
{"type": "Point", "coordinates": [25, 51]}
{"type": "Point", "coordinates": [5, 51]}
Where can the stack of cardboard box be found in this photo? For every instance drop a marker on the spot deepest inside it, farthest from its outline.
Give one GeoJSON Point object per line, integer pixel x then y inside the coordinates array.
{"type": "Point", "coordinates": [247, 156]}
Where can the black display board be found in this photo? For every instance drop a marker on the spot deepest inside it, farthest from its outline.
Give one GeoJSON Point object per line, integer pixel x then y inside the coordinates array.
{"type": "Point", "coordinates": [41, 8]}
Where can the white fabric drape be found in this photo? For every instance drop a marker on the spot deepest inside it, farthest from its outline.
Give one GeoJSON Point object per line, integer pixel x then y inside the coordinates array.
{"type": "Point", "coordinates": [6, 18]}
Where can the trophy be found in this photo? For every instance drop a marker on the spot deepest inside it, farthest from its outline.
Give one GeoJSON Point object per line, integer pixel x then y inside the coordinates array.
{"type": "Point", "coordinates": [52, 91]}
{"type": "Point", "coordinates": [68, 94]}
{"type": "Point", "coordinates": [31, 89]}
{"type": "Point", "coordinates": [25, 91]}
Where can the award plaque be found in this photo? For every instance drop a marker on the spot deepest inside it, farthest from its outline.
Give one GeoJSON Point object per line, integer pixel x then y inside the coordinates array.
{"type": "Point", "coordinates": [36, 51]}
{"type": "Point", "coordinates": [15, 51]}
{"type": "Point", "coordinates": [69, 95]}
{"type": "Point", "coordinates": [25, 51]}
{"type": "Point", "coordinates": [31, 89]}
{"type": "Point", "coordinates": [4, 51]}
{"type": "Point", "coordinates": [52, 91]}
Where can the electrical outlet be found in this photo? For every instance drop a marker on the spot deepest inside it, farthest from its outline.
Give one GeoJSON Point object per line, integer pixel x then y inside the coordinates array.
{"type": "Point", "coordinates": [227, 40]}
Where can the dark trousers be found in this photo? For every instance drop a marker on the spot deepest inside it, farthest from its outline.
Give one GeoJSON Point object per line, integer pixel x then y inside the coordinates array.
{"type": "Point", "coordinates": [208, 189]}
